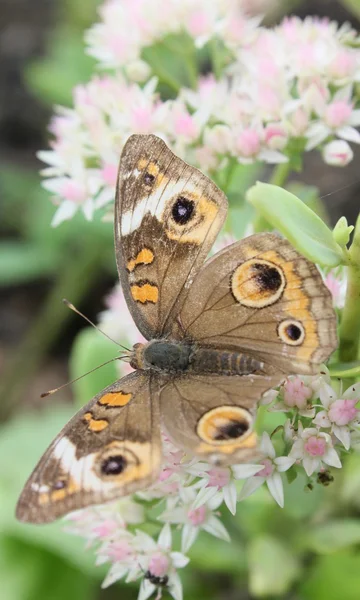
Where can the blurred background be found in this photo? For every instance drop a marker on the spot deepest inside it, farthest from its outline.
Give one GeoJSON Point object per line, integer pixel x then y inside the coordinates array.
{"type": "Point", "coordinates": [41, 59]}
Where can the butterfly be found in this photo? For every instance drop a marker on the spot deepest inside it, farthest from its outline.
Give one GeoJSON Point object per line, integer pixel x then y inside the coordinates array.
{"type": "Point", "coordinates": [220, 331]}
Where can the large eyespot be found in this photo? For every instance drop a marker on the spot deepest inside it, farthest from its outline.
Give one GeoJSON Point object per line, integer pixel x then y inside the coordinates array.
{"type": "Point", "coordinates": [291, 332]}
{"type": "Point", "coordinates": [113, 465]}
{"type": "Point", "coordinates": [183, 210]}
{"type": "Point", "coordinates": [224, 424]}
{"type": "Point", "coordinates": [257, 283]}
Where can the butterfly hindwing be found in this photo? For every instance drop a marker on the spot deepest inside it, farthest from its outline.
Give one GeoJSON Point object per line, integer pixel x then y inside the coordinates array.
{"type": "Point", "coordinates": [213, 416]}
{"type": "Point", "coordinates": [110, 448]}
{"type": "Point", "coordinates": [167, 216]}
{"type": "Point", "coordinates": [262, 297]}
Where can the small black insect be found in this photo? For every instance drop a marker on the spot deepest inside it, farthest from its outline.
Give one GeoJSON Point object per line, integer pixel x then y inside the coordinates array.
{"type": "Point", "coordinates": [159, 581]}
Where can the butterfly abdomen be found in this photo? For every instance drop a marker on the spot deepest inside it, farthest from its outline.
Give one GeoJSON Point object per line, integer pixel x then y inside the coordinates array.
{"type": "Point", "coordinates": [175, 357]}
{"type": "Point", "coordinates": [223, 362]}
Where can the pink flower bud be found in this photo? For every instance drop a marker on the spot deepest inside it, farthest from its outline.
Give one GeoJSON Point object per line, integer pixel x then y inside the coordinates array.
{"type": "Point", "coordinates": [315, 446]}
{"type": "Point", "coordinates": [185, 125]}
{"type": "Point", "coordinates": [338, 113]}
{"type": "Point", "coordinates": [119, 551]}
{"type": "Point", "coordinates": [267, 470]}
{"type": "Point", "coordinates": [343, 64]}
{"type": "Point", "coordinates": [105, 528]}
{"type": "Point", "coordinates": [275, 136]}
{"type": "Point", "coordinates": [74, 191]}
{"type": "Point", "coordinates": [342, 412]}
{"type": "Point", "coordinates": [109, 174]}
{"type": "Point", "coordinates": [296, 393]}
{"type": "Point", "coordinates": [198, 516]}
{"type": "Point", "coordinates": [218, 477]}
{"type": "Point", "coordinates": [338, 153]}
{"type": "Point", "coordinates": [159, 565]}
{"type": "Point", "coordinates": [248, 142]}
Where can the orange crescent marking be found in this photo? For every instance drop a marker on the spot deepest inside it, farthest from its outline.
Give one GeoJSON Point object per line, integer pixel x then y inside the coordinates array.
{"type": "Point", "coordinates": [95, 425]}
{"type": "Point", "coordinates": [144, 257]}
{"type": "Point", "coordinates": [145, 293]}
{"type": "Point", "coordinates": [115, 399]}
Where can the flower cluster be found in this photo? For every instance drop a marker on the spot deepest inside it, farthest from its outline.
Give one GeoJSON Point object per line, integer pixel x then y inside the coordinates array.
{"type": "Point", "coordinates": [277, 93]}
{"type": "Point", "coordinates": [321, 422]}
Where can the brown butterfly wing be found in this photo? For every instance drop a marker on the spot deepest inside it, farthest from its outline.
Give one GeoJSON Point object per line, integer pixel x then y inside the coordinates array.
{"type": "Point", "coordinates": [262, 297]}
{"type": "Point", "coordinates": [212, 416]}
{"type": "Point", "coordinates": [110, 448]}
{"type": "Point", "coordinates": [167, 215]}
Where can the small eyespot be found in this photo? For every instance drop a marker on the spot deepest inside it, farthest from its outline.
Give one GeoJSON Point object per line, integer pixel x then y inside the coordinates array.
{"type": "Point", "coordinates": [113, 465]}
{"type": "Point", "coordinates": [183, 210]}
{"type": "Point", "coordinates": [291, 332]}
{"type": "Point", "coordinates": [59, 485]}
{"type": "Point", "coordinates": [149, 178]}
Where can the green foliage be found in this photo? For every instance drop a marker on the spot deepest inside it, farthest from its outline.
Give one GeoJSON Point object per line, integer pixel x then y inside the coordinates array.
{"type": "Point", "coordinates": [342, 232]}
{"type": "Point", "coordinates": [65, 65]}
{"type": "Point", "coordinates": [52, 78]}
{"type": "Point", "coordinates": [333, 577]}
{"type": "Point", "coordinates": [334, 535]}
{"type": "Point", "coordinates": [303, 228]}
{"type": "Point", "coordinates": [90, 350]}
{"type": "Point", "coordinates": [272, 567]}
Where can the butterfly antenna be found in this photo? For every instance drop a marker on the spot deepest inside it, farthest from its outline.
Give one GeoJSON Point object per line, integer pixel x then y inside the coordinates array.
{"type": "Point", "coordinates": [50, 392]}
{"type": "Point", "coordinates": [72, 307]}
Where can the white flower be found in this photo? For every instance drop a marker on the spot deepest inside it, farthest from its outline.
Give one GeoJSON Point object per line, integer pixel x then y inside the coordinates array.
{"type": "Point", "coordinates": [339, 414]}
{"type": "Point", "coordinates": [337, 153]}
{"type": "Point", "coordinates": [195, 519]}
{"type": "Point", "coordinates": [313, 448]}
{"type": "Point", "coordinates": [219, 482]}
{"type": "Point", "coordinates": [159, 560]}
{"type": "Point", "coordinates": [272, 467]}
{"type": "Point", "coordinates": [335, 117]}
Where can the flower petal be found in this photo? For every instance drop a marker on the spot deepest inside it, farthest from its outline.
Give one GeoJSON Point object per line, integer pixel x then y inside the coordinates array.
{"type": "Point", "coordinates": [230, 497]}
{"type": "Point", "coordinates": [244, 471]}
{"type": "Point", "coordinates": [276, 489]}
{"type": "Point", "coordinates": [188, 537]}
{"type": "Point", "coordinates": [283, 463]}
{"type": "Point", "coordinates": [250, 486]}
{"type": "Point", "coordinates": [214, 526]}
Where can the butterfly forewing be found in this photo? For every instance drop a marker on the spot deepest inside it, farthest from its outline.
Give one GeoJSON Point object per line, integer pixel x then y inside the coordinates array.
{"type": "Point", "coordinates": [167, 217]}
{"type": "Point", "coordinates": [110, 448]}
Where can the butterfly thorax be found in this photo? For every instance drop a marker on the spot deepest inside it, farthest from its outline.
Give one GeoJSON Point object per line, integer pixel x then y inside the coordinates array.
{"type": "Point", "coordinates": [180, 356]}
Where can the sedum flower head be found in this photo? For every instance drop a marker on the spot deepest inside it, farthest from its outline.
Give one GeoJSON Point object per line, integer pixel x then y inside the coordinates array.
{"type": "Point", "coordinates": [294, 85]}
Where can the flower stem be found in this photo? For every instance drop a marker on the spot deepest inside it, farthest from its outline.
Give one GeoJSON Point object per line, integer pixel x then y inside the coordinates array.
{"type": "Point", "coordinates": [73, 281]}
{"type": "Point", "coordinates": [350, 322]}
{"type": "Point", "coordinates": [278, 177]}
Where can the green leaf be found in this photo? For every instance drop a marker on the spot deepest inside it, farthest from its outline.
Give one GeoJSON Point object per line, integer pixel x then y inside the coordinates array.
{"type": "Point", "coordinates": [25, 439]}
{"type": "Point", "coordinates": [333, 577]}
{"type": "Point", "coordinates": [23, 262]}
{"type": "Point", "coordinates": [238, 219]}
{"type": "Point", "coordinates": [345, 370]}
{"type": "Point", "coordinates": [273, 568]}
{"type": "Point", "coordinates": [303, 228]}
{"type": "Point", "coordinates": [309, 194]}
{"type": "Point", "coordinates": [90, 350]}
{"type": "Point", "coordinates": [333, 536]}
{"type": "Point", "coordinates": [39, 574]}
{"type": "Point", "coordinates": [66, 65]}
{"type": "Point", "coordinates": [342, 232]}
{"type": "Point", "coordinates": [216, 555]}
